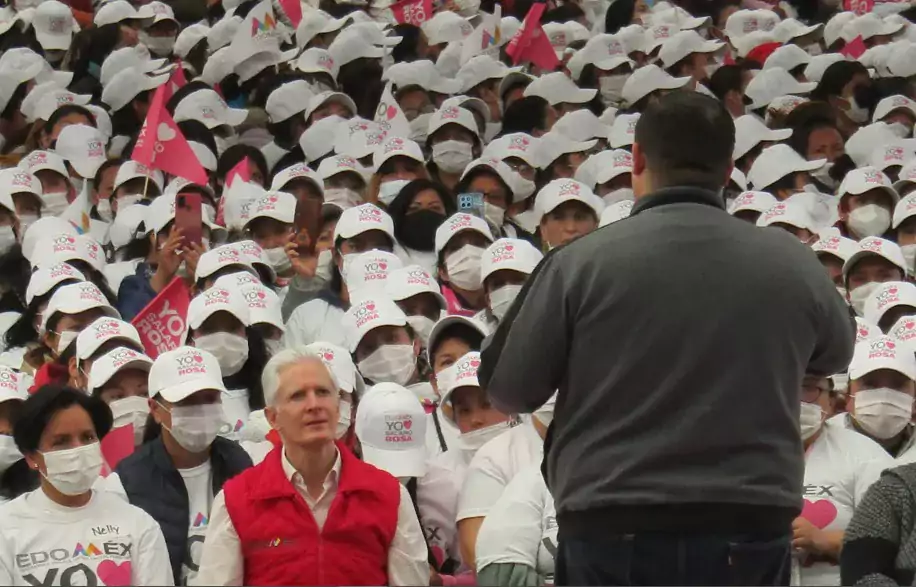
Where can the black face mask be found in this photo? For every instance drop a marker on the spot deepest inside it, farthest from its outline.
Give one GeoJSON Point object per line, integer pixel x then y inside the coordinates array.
{"type": "Point", "coordinates": [418, 230]}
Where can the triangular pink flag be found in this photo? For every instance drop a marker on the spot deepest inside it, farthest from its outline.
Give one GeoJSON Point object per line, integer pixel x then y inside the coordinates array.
{"type": "Point", "coordinates": [162, 146]}
{"type": "Point", "coordinates": [117, 444]}
{"type": "Point", "coordinates": [531, 44]}
{"type": "Point", "coordinates": [242, 171]}
{"type": "Point", "coordinates": [854, 48]}
{"type": "Point", "coordinates": [293, 9]}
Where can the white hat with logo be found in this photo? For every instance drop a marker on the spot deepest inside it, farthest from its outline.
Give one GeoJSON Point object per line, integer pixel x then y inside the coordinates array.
{"type": "Point", "coordinates": [405, 282]}
{"type": "Point", "coordinates": [317, 60]}
{"type": "Point", "coordinates": [132, 170]}
{"type": "Point", "coordinates": [281, 206]}
{"type": "Point", "coordinates": [683, 44]}
{"type": "Point", "coordinates": [323, 98]}
{"type": "Point", "coordinates": [391, 427]}
{"type": "Point", "coordinates": [561, 191]}
{"type": "Point", "coordinates": [182, 372]}
{"type": "Point", "coordinates": [363, 218]}
{"type": "Point", "coordinates": [787, 57]}
{"type": "Point", "coordinates": [819, 64]}
{"type": "Point", "coordinates": [60, 248]}
{"type": "Point", "coordinates": [208, 107]}
{"type": "Point", "coordinates": [127, 84]}
{"type": "Point", "coordinates": [623, 130]}
{"type": "Point", "coordinates": [54, 25]}
{"type": "Point", "coordinates": [557, 88]}
{"type": "Point", "coordinates": [752, 201]}
{"type": "Point", "coordinates": [135, 57]}
{"type": "Point", "coordinates": [509, 254]}
{"type": "Point", "coordinates": [864, 179]}
{"type": "Point", "coordinates": [13, 385]}
{"type": "Point", "coordinates": [886, 296]}
{"type": "Point", "coordinates": [339, 361]}
{"type": "Point", "coordinates": [101, 331]}
{"type": "Point", "coordinates": [892, 104]}
{"type": "Point", "coordinates": [750, 132]}
{"type": "Point", "coordinates": [38, 231]}
{"type": "Point", "coordinates": [776, 162]}
{"type": "Point", "coordinates": [452, 115]}
{"type": "Point", "coordinates": [75, 298]}
{"type": "Point", "coordinates": [648, 79]}
{"type": "Point", "coordinates": [874, 246]}
{"type": "Point", "coordinates": [43, 160]}
{"type": "Point", "coordinates": [367, 273]}
{"type": "Point", "coordinates": [882, 352]}
{"type": "Point", "coordinates": [772, 83]}
{"type": "Point", "coordinates": [461, 373]}
{"type": "Point", "coordinates": [17, 181]}
{"type": "Point", "coordinates": [616, 212]}
{"type": "Point", "coordinates": [457, 223]}
{"type": "Point", "coordinates": [400, 147]}
{"type": "Point", "coordinates": [83, 147]}
{"type": "Point", "coordinates": [113, 362]}
{"type": "Point", "coordinates": [905, 208]}
{"type": "Point", "coordinates": [264, 305]}
{"type": "Point", "coordinates": [296, 171]}
{"type": "Point", "coordinates": [219, 258]}
{"type": "Point", "coordinates": [217, 299]}
{"type": "Point", "coordinates": [368, 314]}
{"type": "Point", "coordinates": [839, 246]}
{"type": "Point", "coordinates": [288, 100]}
{"type": "Point", "coordinates": [446, 27]}
{"type": "Point", "coordinates": [44, 279]}
{"type": "Point", "coordinates": [602, 167]}
{"type": "Point", "coordinates": [886, 156]}
{"type": "Point", "coordinates": [189, 37]}
{"type": "Point", "coordinates": [904, 330]}
{"type": "Point", "coordinates": [518, 145]}
{"type": "Point", "coordinates": [865, 330]}
{"type": "Point", "coordinates": [788, 213]}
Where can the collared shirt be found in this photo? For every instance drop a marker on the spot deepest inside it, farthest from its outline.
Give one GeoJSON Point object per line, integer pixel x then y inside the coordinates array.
{"type": "Point", "coordinates": [222, 562]}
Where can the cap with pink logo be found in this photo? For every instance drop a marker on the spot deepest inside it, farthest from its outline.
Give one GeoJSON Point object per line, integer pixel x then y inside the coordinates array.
{"type": "Point", "coordinates": [399, 147]}
{"type": "Point", "coordinates": [510, 254]}
{"type": "Point", "coordinates": [904, 330]}
{"type": "Point", "coordinates": [391, 427]}
{"type": "Point", "coordinates": [889, 295]}
{"type": "Point", "coordinates": [752, 201]}
{"type": "Point", "coordinates": [217, 299]}
{"type": "Point", "coordinates": [75, 298]}
{"type": "Point", "coordinates": [602, 167]}
{"type": "Point", "coordinates": [367, 315]}
{"type": "Point", "coordinates": [45, 278]}
{"type": "Point", "coordinates": [280, 206]}
{"type": "Point", "coordinates": [115, 361]}
{"type": "Point", "coordinates": [459, 223]}
{"type": "Point", "coordinates": [339, 361]}
{"type": "Point", "coordinates": [61, 248]}
{"type": "Point", "coordinates": [182, 372]}
{"type": "Point", "coordinates": [220, 258]}
{"type": "Point", "coordinates": [41, 160]}
{"type": "Point", "coordinates": [331, 166]}
{"type": "Point", "coordinates": [839, 246]}
{"type": "Point", "coordinates": [462, 373]}
{"type": "Point", "coordinates": [12, 385]}
{"type": "Point", "coordinates": [518, 145]}
{"type": "Point", "coordinates": [363, 218]}
{"type": "Point", "coordinates": [263, 305]}
{"type": "Point", "coordinates": [864, 179]}
{"type": "Point", "coordinates": [561, 191]}
{"type": "Point", "coordinates": [367, 273]}
{"type": "Point", "coordinates": [410, 281]}
{"type": "Point", "coordinates": [790, 213]}
{"type": "Point", "coordinates": [874, 246]}
{"type": "Point", "coordinates": [299, 171]}
{"type": "Point", "coordinates": [905, 208]}
{"type": "Point", "coordinates": [100, 332]}
{"type": "Point", "coordinates": [882, 352]}
{"type": "Point", "coordinates": [865, 329]}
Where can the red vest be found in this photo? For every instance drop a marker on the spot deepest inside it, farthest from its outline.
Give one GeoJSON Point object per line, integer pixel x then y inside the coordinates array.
{"type": "Point", "coordinates": [281, 543]}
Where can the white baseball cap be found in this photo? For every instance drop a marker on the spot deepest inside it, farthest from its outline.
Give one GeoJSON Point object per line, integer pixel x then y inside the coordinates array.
{"type": "Point", "coordinates": [136, 57]}
{"type": "Point", "coordinates": [864, 179]}
{"type": "Point", "coordinates": [398, 147]}
{"type": "Point", "coordinates": [217, 299]}
{"type": "Point", "coordinates": [208, 107]}
{"type": "Point", "coordinates": [218, 66]}
{"type": "Point", "coordinates": [236, 280]}
{"type": "Point", "coordinates": [819, 64]}
{"type": "Point", "coordinates": [865, 140]}
{"type": "Point", "coordinates": [834, 26]}
{"type": "Point", "coordinates": [317, 60]}
{"type": "Point", "coordinates": [323, 98]}
{"type": "Point", "coordinates": [51, 101]}
{"type": "Point", "coordinates": [296, 171]}
{"type": "Point", "coordinates": [264, 305]}
{"type": "Point", "coordinates": [83, 147]}
{"type": "Point", "coordinates": [789, 29]}
{"type": "Point", "coordinates": [182, 372]}
{"type": "Point", "coordinates": [648, 79]}
{"type": "Point", "coordinates": [839, 246]}
{"type": "Point", "coordinates": [560, 191]}
{"type": "Point", "coordinates": [115, 361]}
{"type": "Point", "coordinates": [368, 314]}
{"type": "Point", "coordinates": [460, 222]}
{"type": "Point", "coordinates": [602, 167]}
{"type": "Point", "coordinates": [892, 103]}
{"type": "Point", "coordinates": [904, 330]}
{"type": "Point", "coordinates": [127, 226]}
{"type": "Point", "coordinates": [13, 385]}
{"type": "Point", "coordinates": [773, 82]}
{"type": "Point", "coordinates": [897, 153]}
{"type": "Point", "coordinates": [874, 246]}
{"type": "Point", "coordinates": [60, 248]}
{"type": "Point", "coordinates": [866, 330]}
{"type": "Point", "coordinates": [519, 145]}
{"type": "Point", "coordinates": [882, 352]}
{"type": "Point", "coordinates": [869, 25]}
{"type": "Point", "coordinates": [623, 130]}
{"type": "Point", "coordinates": [444, 323]}
{"type": "Point", "coordinates": [132, 170]}
{"type": "Point", "coordinates": [54, 25]}
{"type": "Point", "coordinates": [367, 273]}
{"type": "Point", "coordinates": [358, 137]}
{"type": "Point", "coordinates": [312, 24]}
{"type": "Point", "coordinates": [777, 161]}
{"type": "Point", "coordinates": [461, 373]}
{"type": "Point", "coordinates": [557, 88]}
{"type": "Point", "coordinates": [347, 48]}
{"type": "Point", "coordinates": [754, 201]}
{"type": "Point", "coordinates": [42, 227]}
{"type": "Point", "coordinates": [446, 27]}
{"type": "Point", "coordinates": [75, 298]}
{"type": "Point", "coordinates": [423, 73]}
{"type": "Point", "coordinates": [219, 258]}
{"type": "Point", "coordinates": [604, 51]}
{"type": "Point", "coordinates": [45, 278]}
{"type": "Point", "coordinates": [43, 160]}
{"type": "Point", "coordinates": [281, 206]}
{"type": "Point", "coordinates": [222, 32]}
{"type": "Point", "coordinates": [906, 177]}
{"type": "Point", "coordinates": [683, 44]}
{"type": "Point", "coordinates": [391, 427]}
{"type": "Point", "coordinates": [189, 37]}
{"type": "Point", "coordinates": [510, 254]}
{"type": "Point", "coordinates": [505, 173]}
{"type": "Point", "coordinates": [477, 70]}
{"type": "Point", "coordinates": [787, 57]}
{"type": "Point", "coordinates": [452, 115]}
{"type": "Point", "coordinates": [17, 181]}
{"type": "Point", "coordinates": [318, 139]}
{"type": "Point", "coordinates": [616, 212]}
{"type": "Point", "coordinates": [886, 296]}
{"type": "Point", "coordinates": [412, 280]}
{"type": "Point", "coordinates": [655, 35]}
{"type": "Point", "coordinates": [744, 22]}
{"type": "Point", "coordinates": [581, 125]}
{"type": "Point", "coordinates": [157, 12]}
{"type": "Point", "coordinates": [101, 331]}
{"type": "Point", "coordinates": [114, 11]}
{"type": "Point", "coordinates": [902, 62]}
{"type": "Point", "coordinates": [554, 145]}
{"type": "Point", "coordinates": [750, 131]}
{"type": "Point", "coordinates": [905, 208]}
{"type": "Point", "coordinates": [339, 361]}
{"type": "Point", "coordinates": [789, 213]}
{"type": "Point", "coordinates": [337, 164]}
{"type": "Point", "coordinates": [363, 218]}
{"type": "Point", "coordinates": [288, 100]}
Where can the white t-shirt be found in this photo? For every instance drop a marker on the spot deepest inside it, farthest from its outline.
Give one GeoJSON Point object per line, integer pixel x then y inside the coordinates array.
{"type": "Point", "coordinates": [235, 413]}
{"type": "Point", "coordinates": [495, 465]}
{"type": "Point", "coordinates": [449, 431]}
{"type": "Point", "coordinates": [313, 321]}
{"type": "Point", "coordinates": [106, 542]}
{"type": "Point", "coordinates": [437, 500]}
{"type": "Point", "coordinates": [839, 467]}
{"type": "Point", "coordinates": [199, 483]}
{"type": "Point", "coordinates": [522, 527]}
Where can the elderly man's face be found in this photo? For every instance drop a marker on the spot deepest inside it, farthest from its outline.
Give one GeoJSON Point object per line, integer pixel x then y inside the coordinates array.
{"type": "Point", "coordinates": [306, 407]}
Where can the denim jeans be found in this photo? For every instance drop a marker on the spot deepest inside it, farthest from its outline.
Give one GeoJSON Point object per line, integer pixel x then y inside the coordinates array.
{"type": "Point", "coordinates": [675, 559]}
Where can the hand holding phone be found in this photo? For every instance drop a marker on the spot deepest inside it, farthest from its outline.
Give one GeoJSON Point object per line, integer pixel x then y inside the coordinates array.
{"type": "Point", "coordinates": [189, 219]}
{"type": "Point", "coordinates": [471, 203]}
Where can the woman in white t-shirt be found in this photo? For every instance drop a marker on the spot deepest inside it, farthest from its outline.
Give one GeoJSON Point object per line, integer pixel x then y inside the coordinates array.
{"type": "Point", "coordinates": [840, 465]}
{"type": "Point", "coordinates": [64, 533]}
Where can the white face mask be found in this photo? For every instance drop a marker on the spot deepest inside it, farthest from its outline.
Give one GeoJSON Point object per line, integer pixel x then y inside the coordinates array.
{"type": "Point", "coordinates": [882, 412]}
{"type": "Point", "coordinates": [814, 49]}
{"type": "Point", "coordinates": [855, 112]}
{"type": "Point", "coordinates": [274, 346]}
{"type": "Point", "coordinates": [55, 202]}
{"type": "Point", "coordinates": [494, 214]}
{"type": "Point", "coordinates": [823, 175]}
{"type": "Point", "coordinates": [72, 471]}
{"type": "Point", "coordinates": [9, 454]}
{"type": "Point", "coordinates": [64, 340]}
{"type": "Point", "coordinates": [524, 188]}
{"type": "Point", "coordinates": [452, 156]}
{"type": "Point", "coordinates": [419, 128]}
{"type": "Point", "coordinates": [343, 197]}
{"type": "Point", "coordinates": [7, 238]}
{"type": "Point", "coordinates": [869, 220]}
{"type": "Point", "coordinates": [423, 326]}
{"type": "Point", "coordinates": [159, 46]}
{"type": "Point", "coordinates": [840, 382]}
{"type": "Point", "coordinates": [389, 190]}
{"type": "Point", "coordinates": [463, 267]}
{"type": "Point", "coordinates": [858, 296]}
{"type": "Point", "coordinates": [279, 260]}
{"type": "Point", "coordinates": [231, 350]}
{"type": "Point", "coordinates": [810, 420]}
{"type": "Point", "coordinates": [502, 298]}
{"type": "Point", "coordinates": [325, 265]}
{"type": "Point", "coordinates": [473, 440]}
{"type": "Point", "coordinates": [901, 130]}
{"type": "Point", "coordinates": [128, 200]}
{"type": "Point", "coordinates": [131, 410]}
{"type": "Point", "coordinates": [390, 363]}
{"type": "Point", "coordinates": [619, 195]}
{"type": "Point", "coordinates": [103, 208]}
{"type": "Point", "coordinates": [909, 254]}
{"type": "Point", "coordinates": [343, 421]}
{"type": "Point", "coordinates": [25, 221]}
{"type": "Point", "coordinates": [195, 427]}
{"type": "Point", "coordinates": [611, 89]}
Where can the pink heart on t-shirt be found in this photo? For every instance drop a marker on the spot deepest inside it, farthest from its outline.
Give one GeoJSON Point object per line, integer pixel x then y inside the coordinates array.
{"type": "Point", "coordinates": [820, 512]}
{"type": "Point", "coordinates": [114, 574]}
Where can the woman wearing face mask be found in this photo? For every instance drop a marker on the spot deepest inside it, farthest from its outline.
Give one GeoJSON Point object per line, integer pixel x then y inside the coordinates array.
{"type": "Point", "coordinates": [899, 112]}
{"type": "Point", "coordinates": [904, 225]}
{"type": "Point", "coordinates": [119, 378]}
{"type": "Point", "coordinates": [313, 270]}
{"type": "Point", "coordinates": [504, 268]}
{"type": "Point", "coordinates": [56, 189]}
{"type": "Point", "coordinates": [59, 430]}
{"type": "Point", "coordinates": [604, 66]}
{"type": "Point", "coordinates": [219, 324]}
{"type": "Point", "coordinates": [820, 139]}
{"type": "Point", "coordinates": [498, 183]}
{"type": "Point", "coordinates": [454, 142]}
{"type": "Point", "coordinates": [560, 157]}
{"type": "Point", "coordinates": [232, 156]}
{"type": "Point", "coordinates": [568, 210]}
{"type": "Point", "coordinates": [16, 477]}
{"type": "Point", "coordinates": [840, 466]}
{"type": "Point", "coordinates": [415, 291]}
{"type": "Point", "coordinates": [460, 243]}
{"type": "Point", "coordinates": [609, 175]}
{"type": "Point", "coordinates": [82, 148]}
{"type": "Point", "coordinates": [867, 200]}
{"type": "Point", "coordinates": [263, 313]}
{"type": "Point", "coordinates": [14, 268]}
{"type": "Point", "coordinates": [98, 338]}
{"type": "Point", "coordinates": [271, 226]}
{"type": "Point", "coordinates": [133, 184]}
{"type": "Point", "coordinates": [183, 464]}
{"type": "Point", "coordinates": [520, 152]}
{"type": "Point", "coordinates": [344, 181]}
{"type": "Point", "coordinates": [846, 86]}
{"type": "Point", "coordinates": [873, 262]}
{"type": "Point", "coordinates": [24, 193]}
{"type": "Point", "coordinates": [361, 229]}
{"type": "Point", "coordinates": [418, 211]}
{"type": "Point", "coordinates": [103, 187]}
{"type": "Point", "coordinates": [396, 163]}
{"type": "Point", "coordinates": [158, 36]}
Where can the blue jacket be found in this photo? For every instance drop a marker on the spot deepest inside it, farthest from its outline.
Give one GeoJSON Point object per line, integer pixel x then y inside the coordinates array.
{"type": "Point", "coordinates": [135, 292]}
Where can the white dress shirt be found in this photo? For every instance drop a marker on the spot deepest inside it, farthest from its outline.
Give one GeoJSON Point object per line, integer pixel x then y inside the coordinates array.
{"type": "Point", "coordinates": [222, 562]}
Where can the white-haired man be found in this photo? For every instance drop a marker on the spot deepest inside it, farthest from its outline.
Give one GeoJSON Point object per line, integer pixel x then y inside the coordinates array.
{"type": "Point", "coordinates": [311, 513]}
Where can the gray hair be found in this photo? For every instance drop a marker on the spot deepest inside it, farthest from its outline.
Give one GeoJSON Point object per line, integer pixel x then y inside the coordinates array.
{"type": "Point", "coordinates": [270, 378]}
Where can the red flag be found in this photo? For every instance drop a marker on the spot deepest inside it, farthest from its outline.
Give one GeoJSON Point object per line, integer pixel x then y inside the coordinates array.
{"type": "Point", "coordinates": [531, 44]}
{"type": "Point", "coordinates": [117, 444]}
{"type": "Point", "coordinates": [854, 48]}
{"type": "Point", "coordinates": [242, 171]}
{"type": "Point", "coordinates": [414, 12]}
{"type": "Point", "coordinates": [162, 146]}
{"type": "Point", "coordinates": [163, 323]}
{"type": "Point", "coordinates": [860, 7]}
{"type": "Point", "coordinates": [293, 9]}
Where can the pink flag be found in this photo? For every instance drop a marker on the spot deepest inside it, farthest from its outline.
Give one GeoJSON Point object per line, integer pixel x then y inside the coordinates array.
{"type": "Point", "coordinates": [176, 81]}
{"type": "Point", "coordinates": [162, 146]}
{"type": "Point", "coordinates": [854, 48]}
{"type": "Point", "coordinates": [163, 323]}
{"type": "Point", "coordinates": [293, 9]}
{"type": "Point", "coordinates": [242, 171]}
{"type": "Point", "coordinates": [414, 12]}
{"type": "Point", "coordinates": [117, 444]}
{"type": "Point", "coordinates": [531, 44]}
{"type": "Point", "coordinates": [860, 7]}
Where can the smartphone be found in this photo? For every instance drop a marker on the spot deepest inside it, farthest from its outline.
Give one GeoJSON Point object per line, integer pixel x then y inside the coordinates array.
{"type": "Point", "coordinates": [188, 217]}
{"type": "Point", "coordinates": [471, 203]}
{"type": "Point", "coordinates": [308, 219]}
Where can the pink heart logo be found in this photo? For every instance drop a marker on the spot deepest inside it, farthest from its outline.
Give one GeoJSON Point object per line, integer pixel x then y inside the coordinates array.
{"type": "Point", "coordinates": [198, 359]}
{"type": "Point", "coordinates": [383, 266]}
{"type": "Point", "coordinates": [370, 307]}
{"type": "Point", "coordinates": [910, 324]}
{"type": "Point", "coordinates": [391, 112]}
{"type": "Point", "coordinates": [891, 345]}
{"type": "Point", "coordinates": [261, 295]}
{"type": "Point", "coordinates": [408, 424]}
{"type": "Point", "coordinates": [892, 290]}
{"type": "Point", "coordinates": [475, 363]}
{"type": "Point", "coordinates": [329, 356]}
{"type": "Point", "coordinates": [114, 574]}
{"type": "Point", "coordinates": [510, 247]}
{"type": "Point", "coordinates": [820, 512]}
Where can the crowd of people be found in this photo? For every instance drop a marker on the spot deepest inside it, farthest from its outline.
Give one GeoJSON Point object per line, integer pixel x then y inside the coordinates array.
{"type": "Point", "coordinates": [379, 186]}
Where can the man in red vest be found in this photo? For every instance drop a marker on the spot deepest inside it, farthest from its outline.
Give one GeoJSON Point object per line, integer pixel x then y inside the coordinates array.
{"type": "Point", "coordinates": [311, 513]}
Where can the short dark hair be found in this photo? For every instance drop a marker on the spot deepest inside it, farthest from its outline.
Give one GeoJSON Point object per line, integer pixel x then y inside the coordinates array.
{"type": "Point", "coordinates": [526, 115]}
{"type": "Point", "coordinates": [38, 409]}
{"type": "Point", "coordinates": [728, 78]}
{"type": "Point", "coordinates": [687, 139]}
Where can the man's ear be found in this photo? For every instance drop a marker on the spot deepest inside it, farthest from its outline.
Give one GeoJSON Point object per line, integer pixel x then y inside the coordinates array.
{"type": "Point", "coordinates": [639, 160]}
